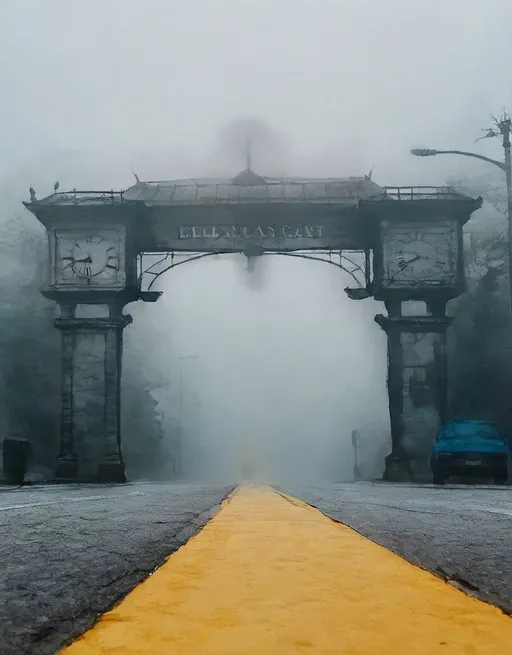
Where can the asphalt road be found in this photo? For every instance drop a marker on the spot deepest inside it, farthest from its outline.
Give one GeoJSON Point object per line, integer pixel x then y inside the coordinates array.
{"type": "Point", "coordinates": [463, 534]}
{"type": "Point", "coordinates": [69, 553]}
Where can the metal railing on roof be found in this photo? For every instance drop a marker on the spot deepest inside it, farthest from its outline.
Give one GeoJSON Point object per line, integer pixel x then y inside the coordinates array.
{"type": "Point", "coordinates": [90, 195]}
{"type": "Point", "coordinates": [419, 193]}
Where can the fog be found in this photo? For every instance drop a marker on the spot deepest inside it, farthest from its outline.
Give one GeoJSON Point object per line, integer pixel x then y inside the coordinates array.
{"type": "Point", "coordinates": [284, 365]}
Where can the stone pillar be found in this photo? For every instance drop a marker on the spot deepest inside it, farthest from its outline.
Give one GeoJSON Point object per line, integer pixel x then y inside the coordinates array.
{"type": "Point", "coordinates": [91, 397]}
{"type": "Point", "coordinates": [417, 387]}
{"type": "Point", "coordinates": [67, 460]}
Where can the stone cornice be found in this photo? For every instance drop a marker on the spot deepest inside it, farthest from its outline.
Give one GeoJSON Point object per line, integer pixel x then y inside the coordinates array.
{"type": "Point", "coordinates": [93, 323]}
{"type": "Point", "coordinates": [413, 323]}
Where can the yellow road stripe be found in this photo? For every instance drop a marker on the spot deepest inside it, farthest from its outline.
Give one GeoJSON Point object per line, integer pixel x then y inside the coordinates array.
{"type": "Point", "coordinates": [271, 577]}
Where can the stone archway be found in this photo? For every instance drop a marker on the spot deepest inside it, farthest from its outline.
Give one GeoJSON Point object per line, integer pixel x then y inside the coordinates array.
{"type": "Point", "coordinates": [96, 241]}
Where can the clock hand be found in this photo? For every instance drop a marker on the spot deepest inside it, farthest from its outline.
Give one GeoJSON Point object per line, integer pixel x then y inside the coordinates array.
{"type": "Point", "coordinates": [87, 260]}
{"type": "Point", "coordinates": [406, 263]}
{"type": "Point", "coordinates": [414, 259]}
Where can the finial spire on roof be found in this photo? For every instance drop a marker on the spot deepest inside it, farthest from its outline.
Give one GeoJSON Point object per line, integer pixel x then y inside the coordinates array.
{"type": "Point", "coordinates": [369, 176]}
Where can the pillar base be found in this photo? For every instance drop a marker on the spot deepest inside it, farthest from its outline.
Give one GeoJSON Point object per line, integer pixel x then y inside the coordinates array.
{"type": "Point", "coordinates": [111, 472]}
{"type": "Point", "coordinates": [66, 467]}
{"type": "Point", "coordinates": [397, 468]}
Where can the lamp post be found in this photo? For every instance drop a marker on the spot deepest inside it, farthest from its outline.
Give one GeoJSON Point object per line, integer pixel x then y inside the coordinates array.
{"type": "Point", "coordinates": [502, 127]}
{"type": "Point", "coordinates": [355, 444]}
{"type": "Point", "coordinates": [180, 405]}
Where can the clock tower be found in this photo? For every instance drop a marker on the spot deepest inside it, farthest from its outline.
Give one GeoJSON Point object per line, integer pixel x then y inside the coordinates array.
{"type": "Point", "coordinates": [92, 276]}
{"type": "Point", "coordinates": [416, 235]}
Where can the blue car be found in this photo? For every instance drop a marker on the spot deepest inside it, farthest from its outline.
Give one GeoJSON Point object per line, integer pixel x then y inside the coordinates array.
{"type": "Point", "coordinates": [469, 448]}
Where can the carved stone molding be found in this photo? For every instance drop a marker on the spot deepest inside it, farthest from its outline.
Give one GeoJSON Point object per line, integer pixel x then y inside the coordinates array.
{"type": "Point", "coordinates": [93, 323]}
{"type": "Point", "coordinates": [413, 323]}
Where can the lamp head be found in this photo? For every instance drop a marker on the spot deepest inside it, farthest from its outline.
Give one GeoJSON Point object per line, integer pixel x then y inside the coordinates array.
{"type": "Point", "coordinates": [423, 152]}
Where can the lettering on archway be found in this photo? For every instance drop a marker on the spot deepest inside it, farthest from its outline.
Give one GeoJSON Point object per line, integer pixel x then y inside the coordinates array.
{"type": "Point", "coordinates": [249, 232]}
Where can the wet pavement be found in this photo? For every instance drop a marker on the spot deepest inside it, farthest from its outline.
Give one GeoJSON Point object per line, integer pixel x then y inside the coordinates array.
{"type": "Point", "coordinates": [68, 553]}
{"type": "Point", "coordinates": [292, 581]}
{"type": "Point", "coordinates": [462, 533]}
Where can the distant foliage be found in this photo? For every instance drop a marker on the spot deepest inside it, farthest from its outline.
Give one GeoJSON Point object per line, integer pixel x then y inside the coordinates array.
{"type": "Point", "coordinates": [480, 341]}
{"type": "Point", "coordinates": [149, 445]}
{"type": "Point", "coordinates": [143, 436]}
{"type": "Point", "coordinates": [480, 353]}
{"type": "Point", "coordinates": [29, 344]}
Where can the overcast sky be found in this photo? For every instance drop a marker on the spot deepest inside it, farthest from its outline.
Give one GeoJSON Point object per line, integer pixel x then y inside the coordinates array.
{"type": "Point", "coordinates": [366, 78]}
{"type": "Point", "coordinates": [92, 88]}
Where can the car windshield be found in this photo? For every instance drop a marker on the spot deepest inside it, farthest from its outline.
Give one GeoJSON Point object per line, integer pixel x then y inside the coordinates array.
{"type": "Point", "coordinates": [470, 429]}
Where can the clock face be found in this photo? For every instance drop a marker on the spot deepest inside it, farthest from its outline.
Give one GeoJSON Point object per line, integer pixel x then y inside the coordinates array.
{"type": "Point", "coordinates": [89, 259]}
{"type": "Point", "coordinates": [419, 257]}
{"type": "Point", "coordinates": [91, 256]}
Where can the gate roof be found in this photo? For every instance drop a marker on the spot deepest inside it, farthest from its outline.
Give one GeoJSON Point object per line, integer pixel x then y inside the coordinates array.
{"type": "Point", "coordinates": [249, 188]}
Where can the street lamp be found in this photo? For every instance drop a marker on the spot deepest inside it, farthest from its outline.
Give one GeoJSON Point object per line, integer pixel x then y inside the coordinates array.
{"type": "Point", "coordinates": [503, 127]}
{"type": "Point", "coordinates": [178, 464]}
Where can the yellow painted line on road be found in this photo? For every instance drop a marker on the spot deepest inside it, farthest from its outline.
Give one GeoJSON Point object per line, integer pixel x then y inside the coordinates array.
{"type": "Point", "coordinates": [271, 577]}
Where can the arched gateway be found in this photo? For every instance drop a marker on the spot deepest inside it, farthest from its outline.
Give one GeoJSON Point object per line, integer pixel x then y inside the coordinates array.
{"type": "Point", "coordinates": [96, 239]}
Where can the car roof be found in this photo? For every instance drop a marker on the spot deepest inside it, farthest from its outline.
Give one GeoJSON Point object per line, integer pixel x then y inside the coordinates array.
{"type": "Point", "coordinates": [468, 423]}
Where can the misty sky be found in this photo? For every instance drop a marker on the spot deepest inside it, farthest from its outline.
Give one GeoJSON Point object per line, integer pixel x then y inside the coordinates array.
{"type": "Point", "coordinates": [92, 88]}
{"type": "Point", "coordinates": [365, 79]}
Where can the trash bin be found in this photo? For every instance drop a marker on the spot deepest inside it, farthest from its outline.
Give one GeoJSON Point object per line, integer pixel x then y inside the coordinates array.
{"type": "Point", "coordinates": [15, 456]}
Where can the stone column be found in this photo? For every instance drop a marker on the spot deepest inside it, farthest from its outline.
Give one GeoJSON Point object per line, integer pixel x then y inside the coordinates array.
{"type": "Point", "coordinates": [111, 465]}
{"type": "Point", "coordinates": [67, 460]}
{"type": "Point", "coordinates": [91, 398]}
{"type": "Point", "coordinates": [417, 387]}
